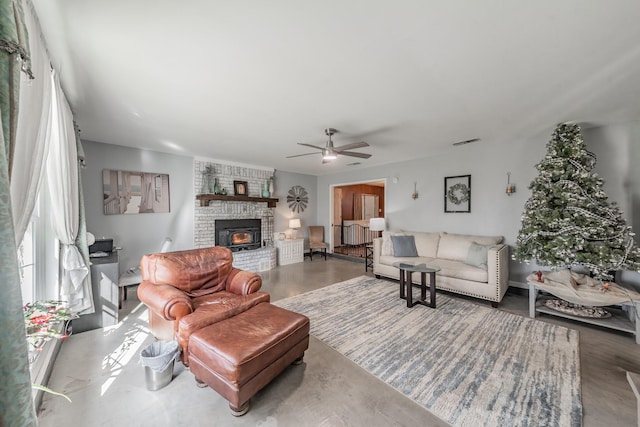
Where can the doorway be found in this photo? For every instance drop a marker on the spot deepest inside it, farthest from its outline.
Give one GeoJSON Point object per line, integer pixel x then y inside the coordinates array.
{"type": "Point", "coordinates": [353, 206]}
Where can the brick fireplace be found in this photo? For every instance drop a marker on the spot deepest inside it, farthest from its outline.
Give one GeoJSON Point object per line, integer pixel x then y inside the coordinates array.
{"type": "Point", "coordinates": [256, 260]}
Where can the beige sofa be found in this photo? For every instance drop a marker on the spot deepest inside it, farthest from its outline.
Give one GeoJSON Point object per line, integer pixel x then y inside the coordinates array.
{"type": "Point", "coordinates": [461, 258]}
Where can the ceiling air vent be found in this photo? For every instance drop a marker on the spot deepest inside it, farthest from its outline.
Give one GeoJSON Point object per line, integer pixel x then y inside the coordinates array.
{"type": "Point", "coordinates": [468, 141]}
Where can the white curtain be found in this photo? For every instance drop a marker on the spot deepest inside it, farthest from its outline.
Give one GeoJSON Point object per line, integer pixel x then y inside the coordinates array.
{"type": "Point", "coordinates": [62, 175]}
{"type": "Point", "coordinates": [32, 138]}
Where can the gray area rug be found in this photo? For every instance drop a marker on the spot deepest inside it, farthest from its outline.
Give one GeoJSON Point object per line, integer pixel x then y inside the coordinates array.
{"type": "Point", "coordinates": [470, 365]}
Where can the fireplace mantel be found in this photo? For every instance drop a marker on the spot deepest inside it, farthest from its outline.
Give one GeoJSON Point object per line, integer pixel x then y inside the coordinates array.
{"type": "Point", "coordinates": [206, 198]}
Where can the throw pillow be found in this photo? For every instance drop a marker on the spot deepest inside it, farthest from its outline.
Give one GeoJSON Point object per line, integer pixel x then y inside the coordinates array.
{"type": "Point", "coordinates": [477, 255]}
{"type": "Point", "coordinates": [404, 246]}
{"type": "Point", "coordinates": [387, 245]}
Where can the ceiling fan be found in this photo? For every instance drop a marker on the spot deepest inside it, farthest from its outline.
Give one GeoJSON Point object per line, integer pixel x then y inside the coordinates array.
{"type": "Point", "coordinates": [329, 152]}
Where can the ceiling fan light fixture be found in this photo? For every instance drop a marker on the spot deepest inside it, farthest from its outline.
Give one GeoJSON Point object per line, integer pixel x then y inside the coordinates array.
{"type": "Point", "coordinates": [328, 154]}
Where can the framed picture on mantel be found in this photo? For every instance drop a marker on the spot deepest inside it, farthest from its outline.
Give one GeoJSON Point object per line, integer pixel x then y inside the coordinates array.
{"type": "Point", "coordinates": [240, 188]}
{"type": "Point", "coordinates": [457, 194]}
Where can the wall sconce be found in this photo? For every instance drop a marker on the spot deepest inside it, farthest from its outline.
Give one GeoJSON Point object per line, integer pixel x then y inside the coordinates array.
{"type": "Point", "coordinates": [415, 191]}
{"type": "Point", "coordinates": [511, 188]}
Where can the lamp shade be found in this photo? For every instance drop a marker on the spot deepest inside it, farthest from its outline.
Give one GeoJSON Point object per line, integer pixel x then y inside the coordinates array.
{"type": "Point", "coordinates": [376, 224]}
{"type": "Point", "coordinates": [294, 223]}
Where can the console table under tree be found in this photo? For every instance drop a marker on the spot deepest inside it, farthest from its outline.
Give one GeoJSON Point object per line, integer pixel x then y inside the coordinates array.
{"type": "Point", "coordinates": [568, 223]}
{"type": "Point", "coordinates": [617, 309]}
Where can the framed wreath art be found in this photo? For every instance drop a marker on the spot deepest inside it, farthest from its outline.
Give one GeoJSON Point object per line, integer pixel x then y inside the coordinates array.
{"type": "Point", "coordinates": [457, 193]}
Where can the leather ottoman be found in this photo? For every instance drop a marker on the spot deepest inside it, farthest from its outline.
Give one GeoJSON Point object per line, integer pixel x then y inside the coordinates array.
{"type": "Point", "coordinates": [240, 355]}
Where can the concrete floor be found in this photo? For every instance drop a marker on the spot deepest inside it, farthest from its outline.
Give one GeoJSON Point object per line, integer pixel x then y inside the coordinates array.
{"type": "Point", "coordinates": [100, 372]}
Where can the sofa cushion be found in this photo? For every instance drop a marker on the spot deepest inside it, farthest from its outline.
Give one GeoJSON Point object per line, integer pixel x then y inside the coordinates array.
{"type": "Point", "coordinates": [427, 244]}
{"type": "Point", "coordinates": [460, 270]}
{"type": "Point", "coordinates": [456, 246]}
{"type": "Point", "coordinates": [477, 255]}
{"type": "Point", "coordinates": [404, 246]}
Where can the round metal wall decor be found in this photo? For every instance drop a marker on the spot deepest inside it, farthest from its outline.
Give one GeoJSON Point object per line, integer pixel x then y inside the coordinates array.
{"type": "Point", "coordinates": [297, 198]}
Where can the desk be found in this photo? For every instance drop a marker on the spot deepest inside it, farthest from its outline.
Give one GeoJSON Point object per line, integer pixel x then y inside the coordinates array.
{"type": "Point", "coordinates": [104, 285]}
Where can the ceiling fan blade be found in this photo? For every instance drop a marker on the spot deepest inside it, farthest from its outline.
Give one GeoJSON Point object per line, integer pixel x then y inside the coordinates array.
{"type": "Point", "coordinates": [353, 154]}
{"type": "Point", "coordinates": [312, 146]}
{"type": "Point", "coordinates": [300, 155]}
{"type": "Point", "coordinates": [351, 146]}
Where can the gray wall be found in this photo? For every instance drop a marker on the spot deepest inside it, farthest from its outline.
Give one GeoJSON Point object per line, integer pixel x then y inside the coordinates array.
{"type": "Point", "coordinates": [617, 148]}
{"type": "Point", "coordinates": [283, 183]}
{"type": "Point", "coordinates": [492, 211]}
{"type": "Point", "coordinates": [141, 233]}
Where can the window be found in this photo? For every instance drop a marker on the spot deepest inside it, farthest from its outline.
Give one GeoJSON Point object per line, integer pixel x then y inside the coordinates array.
{"type": "Point", "coordinates": [38, 255]}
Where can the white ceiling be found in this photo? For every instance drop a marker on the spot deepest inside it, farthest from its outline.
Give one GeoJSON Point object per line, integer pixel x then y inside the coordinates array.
{"type": "Point", "coordinates": [245, 81]}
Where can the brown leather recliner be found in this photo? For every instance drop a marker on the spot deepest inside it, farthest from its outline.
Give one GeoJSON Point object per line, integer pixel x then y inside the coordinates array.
{"type": "Point", "coordinates": [189, 290]}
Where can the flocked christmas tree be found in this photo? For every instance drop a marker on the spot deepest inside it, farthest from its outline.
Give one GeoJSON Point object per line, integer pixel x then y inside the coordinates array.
{"type": "Point", "coordinates": [568, 220]}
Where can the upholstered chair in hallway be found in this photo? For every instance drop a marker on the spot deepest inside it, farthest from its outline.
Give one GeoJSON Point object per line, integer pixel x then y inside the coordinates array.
{"type": "Point", "coordinates": [316, 241]}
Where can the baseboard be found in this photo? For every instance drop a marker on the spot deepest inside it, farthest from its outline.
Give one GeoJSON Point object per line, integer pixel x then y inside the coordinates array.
{"type": "Point", "coordinates": [518, 288]}
{"type": "Point", "coordinates": [346, 258]}
{"type": "Point", "coordinates": [515, 284]}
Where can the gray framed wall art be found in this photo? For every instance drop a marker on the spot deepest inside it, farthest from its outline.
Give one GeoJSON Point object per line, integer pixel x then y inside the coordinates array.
{"type": "Point", "coordinates": [457, 194]}
{"type": "Point", "coordinates": [126, 192]}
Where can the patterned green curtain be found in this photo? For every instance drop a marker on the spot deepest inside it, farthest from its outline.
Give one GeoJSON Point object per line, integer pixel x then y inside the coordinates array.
{"type": "Point", "coordinates": [14, 45]}
{"type": "Point", "coordinates": [16, 404]}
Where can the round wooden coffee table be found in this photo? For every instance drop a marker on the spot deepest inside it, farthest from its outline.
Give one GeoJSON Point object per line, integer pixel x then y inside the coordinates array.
{"type": "Point", "coordinates": [406, 272]}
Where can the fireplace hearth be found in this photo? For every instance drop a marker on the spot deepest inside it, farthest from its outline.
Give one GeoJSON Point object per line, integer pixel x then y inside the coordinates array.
{"type": "Point", "coordinates": [238, 234]}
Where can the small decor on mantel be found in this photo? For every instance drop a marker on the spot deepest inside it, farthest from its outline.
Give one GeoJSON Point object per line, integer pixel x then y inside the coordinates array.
{"type": "Point", "coordinates": [207, 186]}
{"type": "Point", "coordinates": [240, 188]}
{"type": "Point", "coordinates": [272, 183]}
